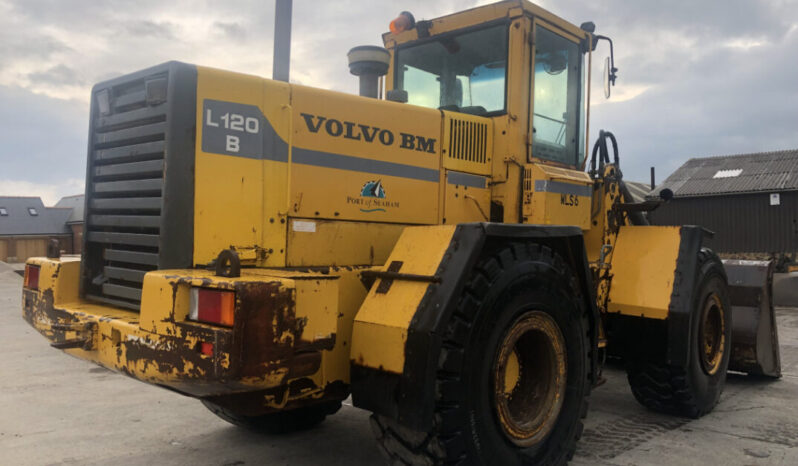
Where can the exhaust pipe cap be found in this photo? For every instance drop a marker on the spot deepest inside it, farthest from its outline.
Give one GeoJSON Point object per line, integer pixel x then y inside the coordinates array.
{"type": "Point", "coordinates": [368, 59]}
{"type": "Point", "coordinates": [369, 62]}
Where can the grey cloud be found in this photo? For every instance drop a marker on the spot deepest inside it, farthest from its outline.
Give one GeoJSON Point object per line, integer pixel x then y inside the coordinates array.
{"type": "Point", "coordinates": [704, 98]}
{"type": "Point", "coordinates": [150, 29]}
{"type": "Point", "coordinates": [232, 30]}
{"type": "Point", "coordinates": [652, 35]}
{"type": "Point", "coordinates": [24, 44]}
{"type": "Point", "coordinates": [58, 75]}
{"type": "Point", "coordinates": [711, 18]}
{"type": "Point", "coordinates": [83, 13]}
{"type": "Point", "coordinates": [730, 102]}
{"type": "Point", "coordinates": [44, 139]}
{"type": "Point", "coordinates": [107, 75]}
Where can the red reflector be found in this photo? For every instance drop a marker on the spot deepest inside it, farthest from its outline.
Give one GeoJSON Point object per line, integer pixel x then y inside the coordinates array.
{"type": "Point", "coordinates": [206, 349]}
{"type": "Point", "coordinates": [215, 307]}
{"type": "Point", "coordinates": [32, 277]}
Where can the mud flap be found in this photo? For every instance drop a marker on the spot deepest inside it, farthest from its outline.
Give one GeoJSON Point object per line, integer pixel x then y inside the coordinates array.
{"type": "Point", "coordinates": [755, 343]}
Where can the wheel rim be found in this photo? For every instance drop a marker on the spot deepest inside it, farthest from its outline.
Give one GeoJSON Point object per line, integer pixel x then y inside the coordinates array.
{"type": "Point", "coordinates": [712, 335]}
{"type": "Point", "coordinates": [529, 378]}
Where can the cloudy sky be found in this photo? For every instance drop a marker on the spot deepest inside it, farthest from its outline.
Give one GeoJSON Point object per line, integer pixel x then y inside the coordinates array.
{"type": "Point", "coordinates": [696, 78]}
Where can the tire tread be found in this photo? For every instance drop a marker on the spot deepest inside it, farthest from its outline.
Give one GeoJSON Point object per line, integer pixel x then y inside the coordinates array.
{"type": "Point", "coordinates": [446, 443]}
{"type": "Point", "coordinates": [666, 388]}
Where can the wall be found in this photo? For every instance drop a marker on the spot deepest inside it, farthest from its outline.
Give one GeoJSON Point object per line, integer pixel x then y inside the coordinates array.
{"type": "Point", "coordinates": [20, 248]}
{"type": "Point", "coordinates": [77, 238]}
{"type": "Point", "coordinates": [741, 222]}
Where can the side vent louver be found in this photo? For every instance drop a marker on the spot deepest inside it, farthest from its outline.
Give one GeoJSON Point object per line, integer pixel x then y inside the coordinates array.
{"type": "Point", "coordinates": [527, 185]}
{"type": "Point", "coordinates": [467, 143]}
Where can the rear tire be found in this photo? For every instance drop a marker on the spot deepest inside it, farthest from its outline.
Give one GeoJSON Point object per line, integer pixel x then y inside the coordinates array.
{"type": "Point", "coordinates": [521, 326]}
{"type": "Point", "coordinates": [280, 422]}
{"type": "Point", "coordinates": [694, 389]}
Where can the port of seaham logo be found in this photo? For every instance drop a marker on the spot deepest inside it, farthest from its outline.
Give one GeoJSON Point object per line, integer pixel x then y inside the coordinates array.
{"type": "Point", "coordinates": [373, 189]}
{"type": "Point", "coordinates": [372, 198]}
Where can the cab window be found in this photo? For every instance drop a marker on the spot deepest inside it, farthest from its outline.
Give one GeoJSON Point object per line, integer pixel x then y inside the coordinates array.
{"type": "Point", "coordinates": [557, 105]}
{"type": "Point", "coordinates": [464, 72]}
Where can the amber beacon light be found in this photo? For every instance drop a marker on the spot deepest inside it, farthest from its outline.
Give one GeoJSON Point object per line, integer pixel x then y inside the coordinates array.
{"type": "Point", "coordinates": [403, 22]}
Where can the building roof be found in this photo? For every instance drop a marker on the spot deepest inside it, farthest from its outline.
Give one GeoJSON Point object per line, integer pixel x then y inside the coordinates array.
{"type": "Point", "coordinates": [18, 220]}
{"type": "Point", "coordinates": [638, 190]}
{"type": "Point", "coordinates": [735, 174]}
{"type": "Point", "coordinates": [76, 204]}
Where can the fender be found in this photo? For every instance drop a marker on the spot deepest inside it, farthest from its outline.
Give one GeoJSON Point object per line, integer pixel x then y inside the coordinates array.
{"type": "Point", "coordinates": [655, 325]}
{"type": "Point", "coordinates": [397, 334]}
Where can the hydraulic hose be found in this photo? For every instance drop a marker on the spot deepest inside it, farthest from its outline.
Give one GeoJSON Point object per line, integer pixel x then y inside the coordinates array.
{"type": "Point", "coordinates": [601, 150]}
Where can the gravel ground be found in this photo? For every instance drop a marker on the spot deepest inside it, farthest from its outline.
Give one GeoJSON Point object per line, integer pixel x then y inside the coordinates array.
{"type": "Point", "coordinates": [61, 410]}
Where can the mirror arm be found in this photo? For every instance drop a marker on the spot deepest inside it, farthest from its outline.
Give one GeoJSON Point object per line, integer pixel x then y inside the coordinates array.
{"type": "Point", "coordinates": [613, 69]}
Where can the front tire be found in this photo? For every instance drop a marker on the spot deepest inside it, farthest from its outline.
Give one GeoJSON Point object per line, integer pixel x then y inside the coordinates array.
{"type": "Point", "coordinates": [692, 390]}
{"type": "Point", "coordinates": [512, 381]}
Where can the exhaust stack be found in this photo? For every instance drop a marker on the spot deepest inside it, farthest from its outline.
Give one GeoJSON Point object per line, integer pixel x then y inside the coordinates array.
{"type": "Point", "coordinates": [369, 62]}
{"type": "Point", "coordinates": [282, 40]}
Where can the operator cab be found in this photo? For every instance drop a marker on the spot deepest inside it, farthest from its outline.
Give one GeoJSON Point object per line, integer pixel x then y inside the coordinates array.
{"type": "Point", "coordinates": [526, 69]}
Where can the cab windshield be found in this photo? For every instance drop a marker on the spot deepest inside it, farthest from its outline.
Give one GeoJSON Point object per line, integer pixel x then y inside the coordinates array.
{"type": "Point", "coordinates": [464, 72]}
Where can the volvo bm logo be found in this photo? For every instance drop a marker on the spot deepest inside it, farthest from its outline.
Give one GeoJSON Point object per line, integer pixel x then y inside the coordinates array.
{"type": "Point", "coordinates": [367, 133]}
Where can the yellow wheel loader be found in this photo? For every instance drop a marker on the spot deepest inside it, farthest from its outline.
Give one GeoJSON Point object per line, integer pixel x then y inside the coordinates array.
{"type": "Point", "coordinates": [433, 247]}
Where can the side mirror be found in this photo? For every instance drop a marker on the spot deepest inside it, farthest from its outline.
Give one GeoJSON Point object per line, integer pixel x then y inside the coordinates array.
{"type": "Point", "coordinates": [610, 71]}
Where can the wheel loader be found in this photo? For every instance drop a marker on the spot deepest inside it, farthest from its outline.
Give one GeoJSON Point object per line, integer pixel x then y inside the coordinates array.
{"type": "Point", "coordinates": [444, 248]}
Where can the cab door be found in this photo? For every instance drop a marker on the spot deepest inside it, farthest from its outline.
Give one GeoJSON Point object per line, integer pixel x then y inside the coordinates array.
{"type": "Point", "coordinates": [556, 190]}
{"type": "Point", "coordinates": [557, 123]}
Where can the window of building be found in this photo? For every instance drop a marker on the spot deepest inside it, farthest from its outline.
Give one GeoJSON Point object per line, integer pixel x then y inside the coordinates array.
{"type": "Point", "coordinates": [33, 211]}
{"type": "Point", "coordinates": [3, 212]}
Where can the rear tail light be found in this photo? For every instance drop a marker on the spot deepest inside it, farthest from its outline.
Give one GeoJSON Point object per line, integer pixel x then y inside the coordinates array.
{"type": "Point", "coordinates": [212, 306]}
{"type": "Point", "coordinates": [32, 277]}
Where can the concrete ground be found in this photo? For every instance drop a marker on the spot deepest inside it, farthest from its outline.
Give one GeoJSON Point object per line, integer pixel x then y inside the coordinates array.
{"type": "Point", "coordinates": [61, 410]}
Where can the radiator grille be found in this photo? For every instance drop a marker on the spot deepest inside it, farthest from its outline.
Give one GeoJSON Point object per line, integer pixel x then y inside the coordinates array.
{"type": "Point", "coordinates": [125, 188]}
{"type": "Point", "coordinates": [468, 140]}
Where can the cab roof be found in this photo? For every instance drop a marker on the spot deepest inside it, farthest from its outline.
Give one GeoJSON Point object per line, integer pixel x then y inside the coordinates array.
{"type": "Point", "coordinates": [482, 15]}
